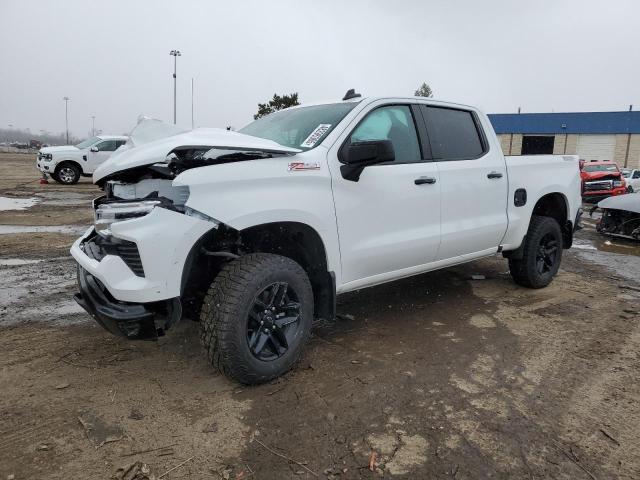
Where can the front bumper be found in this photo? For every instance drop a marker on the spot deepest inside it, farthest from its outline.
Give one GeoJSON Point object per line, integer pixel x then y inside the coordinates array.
{"type": "Point", "coordinates": [45, 167]}
{"type": "Point", "coordinates": [163, 239]}
{"type": "Point", "coordinates": [130, 320]}
{"type": "Point", "coordinates": [597, 195]}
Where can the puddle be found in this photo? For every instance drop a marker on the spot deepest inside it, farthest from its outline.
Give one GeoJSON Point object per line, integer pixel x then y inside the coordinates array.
{"type": "Point", "coordinates": [604, 243]}
{"type": "Point", "coordinates": [68, 203]}
{"type": "Point", "coordinates": [64, 195]}
{"type": "Point", "coordinates": [40, 291]}
{"type": "Point", "coordinates": [583, 245]}
{"type": "Point", "coordinates": [626, 266]}
{"type": "Point", "coordinates": [65, 199]}
{"type": "Point", "coordinates": [71, 229]}
{"type": "Point", "coordinates": [9, 203]}
{"type": "Point", "coordinates": [11, 262]}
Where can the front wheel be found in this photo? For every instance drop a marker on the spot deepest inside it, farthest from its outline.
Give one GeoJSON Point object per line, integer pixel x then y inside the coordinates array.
{"type": "Point", "coordinates": [67, 174]}
{"type": "Point", "coordinates": [541, 256]}
{"type": "Point", "coordinates": [256, 317]}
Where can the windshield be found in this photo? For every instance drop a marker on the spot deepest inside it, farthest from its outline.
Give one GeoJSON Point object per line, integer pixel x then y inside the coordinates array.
{"type": "Point", "coordinates": [302, 127]}
{"type": "Point", "coordinates": [600, 168]}
{"type": "Point", "coordinates": [87, 143]}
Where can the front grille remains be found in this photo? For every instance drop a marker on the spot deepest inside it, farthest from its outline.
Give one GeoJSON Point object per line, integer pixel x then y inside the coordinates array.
{"type": "Point", "coordinates": [599, 185]}
{"type": "Point", "coordinates": [98, 247]}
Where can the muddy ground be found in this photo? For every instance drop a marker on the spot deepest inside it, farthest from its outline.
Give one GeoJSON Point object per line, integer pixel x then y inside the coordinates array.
{"type": "Point", "coordinates": [436, 376]}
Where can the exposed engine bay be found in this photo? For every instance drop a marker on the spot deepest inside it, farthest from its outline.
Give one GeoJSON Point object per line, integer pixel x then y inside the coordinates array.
{"type": "Point", "coordinates": [620, 216]}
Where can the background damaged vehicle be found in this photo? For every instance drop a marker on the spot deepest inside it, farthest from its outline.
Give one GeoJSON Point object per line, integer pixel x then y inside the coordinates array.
{"type": "Point", "coordinates": [620, 216]}
{"type": "Point", "coordinates": [601, 179]}
{"type": "Point", "coordinates": [256, 232]}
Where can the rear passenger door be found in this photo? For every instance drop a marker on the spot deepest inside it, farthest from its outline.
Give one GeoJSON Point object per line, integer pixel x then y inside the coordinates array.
{"type": "Point", "coordinates": [473, 182]}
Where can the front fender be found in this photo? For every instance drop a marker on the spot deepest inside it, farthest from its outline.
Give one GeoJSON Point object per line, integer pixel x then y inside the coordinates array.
{"type": "Point", "coordinates": [264, 191]}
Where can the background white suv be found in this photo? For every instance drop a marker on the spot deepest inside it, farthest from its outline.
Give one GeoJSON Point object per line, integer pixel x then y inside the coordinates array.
{"type": "Point", "coordinates": [632, 178]}
{"type": "Point", "coordinates": [67, 163]}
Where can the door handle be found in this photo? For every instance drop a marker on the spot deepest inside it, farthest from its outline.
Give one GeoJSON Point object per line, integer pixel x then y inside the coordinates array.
{"type": "Point", "coordinates": [423, 180]}
{"type": "Point", "coordinates": [494, 175]}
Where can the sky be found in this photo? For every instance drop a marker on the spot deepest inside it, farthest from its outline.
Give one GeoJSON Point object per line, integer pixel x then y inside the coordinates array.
{"type": "Point", "coordinates": [112, 58]}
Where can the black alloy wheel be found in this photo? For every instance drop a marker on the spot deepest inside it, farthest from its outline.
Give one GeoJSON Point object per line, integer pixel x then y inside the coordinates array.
{"type": "Point", "coordinates": [274, 320]}
{"type": "Point", "coordinates": [546, 254]}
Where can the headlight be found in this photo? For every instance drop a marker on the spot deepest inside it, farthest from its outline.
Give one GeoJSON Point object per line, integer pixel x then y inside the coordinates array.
{"type": "Point", "coordinates": [47, 157]}
{"type": "Point", "coordinates": [619, 183]}
{"type": "Point", "coordinates": [109, 213]}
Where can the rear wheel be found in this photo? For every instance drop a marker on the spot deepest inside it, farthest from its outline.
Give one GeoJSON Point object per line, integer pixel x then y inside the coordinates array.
{"type": "Point", "coordinates": [67, 174]}
{"type": "Point", "coordinates": [541, 256]}
{"type": "Point", "coordinates": [256, 317]}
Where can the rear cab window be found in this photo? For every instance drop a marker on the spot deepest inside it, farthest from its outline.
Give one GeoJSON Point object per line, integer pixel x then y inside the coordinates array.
{"type": "Point", "coordinates": [454, 134]}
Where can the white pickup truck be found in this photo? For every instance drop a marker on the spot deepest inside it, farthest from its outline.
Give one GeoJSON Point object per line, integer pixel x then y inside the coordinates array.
{"type": "Point", "coordinates": [257, 231]}
{"type": "Point", "coordinates": [66, 164]}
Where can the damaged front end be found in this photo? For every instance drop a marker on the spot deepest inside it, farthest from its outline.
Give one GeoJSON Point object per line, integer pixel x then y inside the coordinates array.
{"type": "Point", "coordinates": [136, 321]}
{"type": "Point", "coordinates": [620, 216]}
{"type": "Point", "coordinates": [131, 262]}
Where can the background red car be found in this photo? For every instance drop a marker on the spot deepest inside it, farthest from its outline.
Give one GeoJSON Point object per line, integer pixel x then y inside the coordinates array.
{"type": "Point", "coordinates": [601, 179]}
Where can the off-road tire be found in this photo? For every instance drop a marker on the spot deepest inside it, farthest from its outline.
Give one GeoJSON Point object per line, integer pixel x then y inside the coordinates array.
{"type": "Point", "coordinates": [524, 271]}
{"type": "Point", "coordinates": [225, 312]}
{"type": "Point", "coordinates": [66, 173]}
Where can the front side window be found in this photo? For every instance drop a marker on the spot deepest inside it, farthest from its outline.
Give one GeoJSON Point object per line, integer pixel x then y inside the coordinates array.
{"type": "Point", "coordinates": [394, 123]}
{"type": "Point", "coordinates": [107, 146]}
{"type": "Point", "coordinates": [636, 174]}
{"type": "Point", "coordinates": [453, 134]}
{"type": "Point", "coordinates": [88, 142]}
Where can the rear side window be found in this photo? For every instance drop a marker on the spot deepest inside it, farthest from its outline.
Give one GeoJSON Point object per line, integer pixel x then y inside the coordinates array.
{"type": "Point", "coordinates": [454, 134]}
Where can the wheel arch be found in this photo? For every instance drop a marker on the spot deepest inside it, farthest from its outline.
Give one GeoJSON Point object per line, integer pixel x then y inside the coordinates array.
{"type": "Point", "coordinates": [556, 206]}
{"type": "Point", "coordinates": [295, 240]}
{"type": "Point", "coordinates": [62, 163]}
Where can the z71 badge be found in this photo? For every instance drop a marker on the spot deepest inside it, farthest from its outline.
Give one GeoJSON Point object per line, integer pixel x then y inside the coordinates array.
{"type": "Point", "coordinates": [297, 166]}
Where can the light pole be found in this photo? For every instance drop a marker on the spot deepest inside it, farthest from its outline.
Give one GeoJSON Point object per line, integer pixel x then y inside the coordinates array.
{"type": "Point", "coordinates": [175, 54]}
{"type": "Point", "coordinates": [66, 116]}
{"type": "Point", "coordinates": [93, 125]}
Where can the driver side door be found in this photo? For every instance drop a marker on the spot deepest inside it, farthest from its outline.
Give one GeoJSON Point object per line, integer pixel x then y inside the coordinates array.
{"type": "Point", "coordinates": [97, 154]}
{"type": "Point", "coordinates": [389, 220]}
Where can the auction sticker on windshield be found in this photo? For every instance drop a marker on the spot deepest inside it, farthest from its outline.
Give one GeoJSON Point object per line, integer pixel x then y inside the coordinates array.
{"type": "Point", "coordinates": [316, 135]}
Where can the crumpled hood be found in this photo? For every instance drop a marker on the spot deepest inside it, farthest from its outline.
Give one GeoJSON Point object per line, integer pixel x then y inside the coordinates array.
{"type": "Point", "coordinates": [597, 175]}
{"type": "Point", "coordinates": [629, 202]}
{"type": "Point", "coordinates": [62, 148]}
{"type": "Point", "coordinates": [152, 140]}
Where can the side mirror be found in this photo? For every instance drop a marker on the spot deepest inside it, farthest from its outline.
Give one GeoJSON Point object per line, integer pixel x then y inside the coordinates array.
{"type": "Point", "coordinates": [94, 149]}
{"type": "Point", "coordinates": [356, 156]}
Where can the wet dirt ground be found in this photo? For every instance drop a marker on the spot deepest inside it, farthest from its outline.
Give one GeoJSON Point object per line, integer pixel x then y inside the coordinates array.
{"type": "Point", "coordinates": [436, 376]}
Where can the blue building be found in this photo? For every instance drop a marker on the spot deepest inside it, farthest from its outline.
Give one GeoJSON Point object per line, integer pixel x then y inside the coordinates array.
{"type": "Point", "coordinates": [591, 135]}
